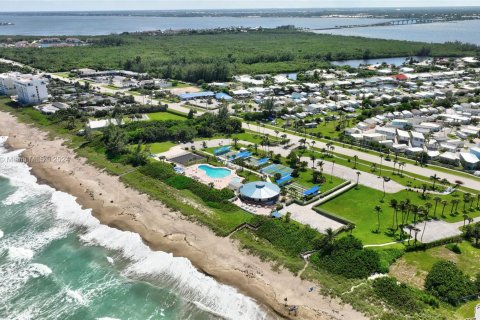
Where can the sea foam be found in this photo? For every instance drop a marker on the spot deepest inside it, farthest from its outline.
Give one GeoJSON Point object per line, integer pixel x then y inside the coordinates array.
{"type": "Point", "coordinates": [179, 273]}
{"type": "Point", "coordinates": [38, 270]}
{"type": "Point", "coordinates": [15, 253]}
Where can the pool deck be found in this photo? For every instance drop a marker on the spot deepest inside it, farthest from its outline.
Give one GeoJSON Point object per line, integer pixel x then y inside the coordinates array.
{"type": "Point", "coordinates": [218, 183]}
{"type": "Point", "coordinates": [254, 208]}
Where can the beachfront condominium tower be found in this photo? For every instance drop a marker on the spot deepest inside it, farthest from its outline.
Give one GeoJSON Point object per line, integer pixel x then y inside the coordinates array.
{"type": "Point", "coordinates": [31, 90]}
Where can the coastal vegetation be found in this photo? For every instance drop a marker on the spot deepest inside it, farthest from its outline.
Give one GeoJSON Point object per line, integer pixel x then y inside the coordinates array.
{"type": "Point", "coordinates": [208, 57]}
{"type": "Point", "coordinates": [339, 262]}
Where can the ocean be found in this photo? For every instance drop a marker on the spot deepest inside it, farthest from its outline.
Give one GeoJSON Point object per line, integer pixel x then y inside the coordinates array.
{"type": "Point", "coordinates": [45, 25]}
{"type": "Point", "coordinates": [58, 262]}
{"type": "Point", "coordinates": [69, 25]}
{"type": "Point", "coordinates": [463, 31]}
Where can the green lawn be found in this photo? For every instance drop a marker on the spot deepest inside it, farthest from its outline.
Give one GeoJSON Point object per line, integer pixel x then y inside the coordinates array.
{"type": "Point", "coordinates": [163, 116]}
{"type": "Point", "coordinates": [467, 311]}
{"type": "Point", "coordinates": [160, 147]}
{"type": "Point", "coordinates": [357, 205]}
{"type": "Point", "coordinates": [468, 260]}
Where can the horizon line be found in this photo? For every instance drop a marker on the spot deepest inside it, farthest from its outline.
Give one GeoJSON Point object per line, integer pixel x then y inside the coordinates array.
{"type": "Point", "coordinates": [243, 8]}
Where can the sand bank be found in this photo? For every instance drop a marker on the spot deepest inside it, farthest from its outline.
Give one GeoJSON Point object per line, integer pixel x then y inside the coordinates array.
{"type": "Point", "coordinates": [118, 206]}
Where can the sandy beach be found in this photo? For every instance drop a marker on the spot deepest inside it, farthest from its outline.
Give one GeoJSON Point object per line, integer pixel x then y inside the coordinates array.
{"type": "Point", "coordinates": [118, 206]}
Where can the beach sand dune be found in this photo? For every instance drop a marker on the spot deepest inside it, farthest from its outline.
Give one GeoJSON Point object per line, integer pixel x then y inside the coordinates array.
{"type": "Point", "coordinates": [162, 229]}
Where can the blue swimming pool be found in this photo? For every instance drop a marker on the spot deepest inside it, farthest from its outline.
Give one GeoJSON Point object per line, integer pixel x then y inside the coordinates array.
{"type": "Point", "coordinates": [214, 172]}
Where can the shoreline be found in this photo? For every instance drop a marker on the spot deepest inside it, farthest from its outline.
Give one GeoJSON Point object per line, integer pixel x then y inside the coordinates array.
{"type": "Point", "coordinates": [121, 207]}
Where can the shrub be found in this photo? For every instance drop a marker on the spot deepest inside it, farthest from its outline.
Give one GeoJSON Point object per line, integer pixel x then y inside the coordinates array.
{"type": "Point", "coordinates": [447, 282]}
{"type": "Point", "coordinates": [165, 172]}
{"type": "Point", "coordinates": [400, 296]}
{"type": "Point", "coordinates": [348, 258]}
{"type": "Point", "coordinates": [387, 257]}
{"type": "Point", "coordinates": [396, 295]}
{"type": "Point", "coordinates": [454, 248]}
{"type": "Point", "coordinates": [290, 237]}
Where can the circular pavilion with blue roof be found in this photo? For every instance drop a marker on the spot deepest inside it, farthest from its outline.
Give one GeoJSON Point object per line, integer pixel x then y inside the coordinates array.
{"type": "Point", "coordinates": [260, 192]}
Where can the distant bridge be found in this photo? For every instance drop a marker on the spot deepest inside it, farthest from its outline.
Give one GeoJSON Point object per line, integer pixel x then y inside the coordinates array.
{"type": "Point", "coordinates": [387, 23]}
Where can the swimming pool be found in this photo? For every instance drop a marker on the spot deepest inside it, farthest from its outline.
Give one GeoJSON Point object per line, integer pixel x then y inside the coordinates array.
{"type": "Point", "coordinates": [214, 172]}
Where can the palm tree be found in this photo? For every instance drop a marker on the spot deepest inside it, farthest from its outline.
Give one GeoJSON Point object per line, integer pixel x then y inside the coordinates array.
{"type": "Point", "coordinates": [437, 199]}
{"type": "Point", "coordinates": [428, 206]}
{"type": "Point", "coordinates": [424, 226]}
{"type": "Point", "coordinates": [394, 206]}
{"type": "Point", "coordinates": [444, 204]}
{"type": "Point", "coordinates": [385, 179]}
{"type": "Point", "coordinates": [349, 227]}
{"type": "Point", "coordinates": [329, 236]}
{"type": "Point", "coordinates": [416, 230]}
{"type": "Point", "coordinates": [302, 142]}
{"type": "Point", "coordinates": [410, 229]}
{"type": "Point", "coordinates": [478, 199]}
{"type": "Point", "coordinates": [435, 179]}
{"type": "Point", "coordinates": [355, 158]}
{"type": "Point", "coordinates": [455, 203]}
{"type": "Point", "coordinates": [235, 142]}
{"type": "Point", "coordinates": [378, 210]}
{"type": "Point", "coordinates": [466, 199]}
{"type": "Point", "coordinates": [403, 208]}
{"type": "Point", "coordinates": [381, 162]}
{"type": "Point", "coordinates": [313, 158]}
{"type": "Point", "coordinates": [320, 164]}
{"type": "Point", "coordinates": [333, 165]}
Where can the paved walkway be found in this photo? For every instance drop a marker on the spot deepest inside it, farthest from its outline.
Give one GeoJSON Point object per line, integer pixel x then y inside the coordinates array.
{"type": "Point", "coordinates": [426, 172]}
{"type": "Point", "coordinates": [438, 229]}
{"type": "Point", "coordinates": [306, 215]}
{"type": "Point", "coordinates": [367, 179]}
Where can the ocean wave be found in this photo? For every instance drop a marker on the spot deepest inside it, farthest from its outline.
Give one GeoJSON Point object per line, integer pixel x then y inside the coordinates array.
{"type": "Point", "coordinates": [75, 296]}
{"type": "Point", "coordinates": [15, 253]}
{"type": "Point", "coordinates": [38, 270]}
{"type": "Point", "coordinates": [18, 174]}
{"type": "Point", "coordinates": [178, 273]}
{"type": "Point", "coordinates": [1, 234]}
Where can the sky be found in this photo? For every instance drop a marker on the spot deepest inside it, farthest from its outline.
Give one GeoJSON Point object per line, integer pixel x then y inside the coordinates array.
{"type": "Point", "coordinates": [84, 5]}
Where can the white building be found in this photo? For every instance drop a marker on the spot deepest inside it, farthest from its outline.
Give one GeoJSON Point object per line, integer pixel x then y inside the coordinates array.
{"type": "Point", "coordinates": [7, 87]}
{"type": "Point", "coordinates": [403, 137]}
{"type": "Point", "coordinates": [418, 140]}
{"type": "Point", "coordinates": [374, 137]}
{"type": "Point", "coordinates": [31, 90]}
{"type": "Point", "coordinates": [469, 160]}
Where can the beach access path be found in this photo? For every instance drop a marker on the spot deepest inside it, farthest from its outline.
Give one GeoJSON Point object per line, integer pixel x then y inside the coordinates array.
{"type": "Point", "coordinates": [162, 229]}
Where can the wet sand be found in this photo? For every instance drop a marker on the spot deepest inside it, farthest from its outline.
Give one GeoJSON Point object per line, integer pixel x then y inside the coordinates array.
{"type": "Point", "coordinates": [162, 229]}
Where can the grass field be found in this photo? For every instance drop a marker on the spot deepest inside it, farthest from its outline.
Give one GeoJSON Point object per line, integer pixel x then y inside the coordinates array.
{"type": "Point", "coordinates": [223, 222]}
{"type": "Point", "coordinates": [413, 267]}
{"type": "Point", "coordinates": [163, 116]}
{"type": "Point", "coordinates": [158, 147]}
{"type": "Point", "coordinates": [357, 206]}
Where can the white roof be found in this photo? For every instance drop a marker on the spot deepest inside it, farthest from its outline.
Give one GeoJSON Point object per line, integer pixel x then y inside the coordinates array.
{"type": "Point", "coordinates": [449, 156]}
{"type": "Point", "coordinates": [469, 157]}
{"type": "Point", "coordinates": [97, 124]}
{"type": "Point", "coordinates": [417, 135]}
{"type": "Point", "coordinates": [415, 150]}
{"type": "Point", "coordinates": [403, 134]}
